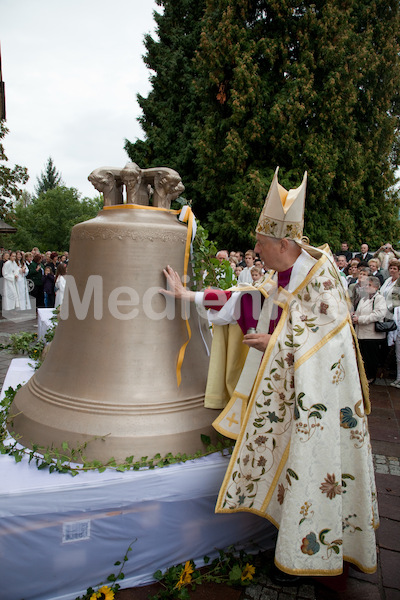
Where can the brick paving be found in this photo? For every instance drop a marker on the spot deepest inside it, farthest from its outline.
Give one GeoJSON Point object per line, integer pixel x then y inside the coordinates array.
{"type": "Point", "coordinates": [384, 425]}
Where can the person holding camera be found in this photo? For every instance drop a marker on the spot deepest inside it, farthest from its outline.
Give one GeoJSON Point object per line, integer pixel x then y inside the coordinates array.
{"type": "Point", "coordinates": [386, 253]}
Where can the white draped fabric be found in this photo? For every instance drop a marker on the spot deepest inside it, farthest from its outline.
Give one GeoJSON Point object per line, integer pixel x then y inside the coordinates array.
{"type": "Point", "coordinates": [44, 321]}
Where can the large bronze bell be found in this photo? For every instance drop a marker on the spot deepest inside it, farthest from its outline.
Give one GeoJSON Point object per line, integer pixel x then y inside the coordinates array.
{"type": "Point", "coordinates": [110, 376]}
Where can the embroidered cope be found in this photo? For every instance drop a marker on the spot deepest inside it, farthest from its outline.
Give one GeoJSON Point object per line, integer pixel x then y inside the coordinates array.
{"type": "Point", "coordinates": [303, 456]}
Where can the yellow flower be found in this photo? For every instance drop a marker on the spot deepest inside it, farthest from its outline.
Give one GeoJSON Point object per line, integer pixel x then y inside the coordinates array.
{"type": "Point", "coordinates": [186, 575]}
{"type": "Point", "coordinates": [104, 593]}
{"type": "Point", "coordinates": [248, 572]}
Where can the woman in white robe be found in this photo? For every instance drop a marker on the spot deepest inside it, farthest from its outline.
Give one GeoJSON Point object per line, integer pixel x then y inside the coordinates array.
{"type": "Point", "coordinates": [10, 291]}
{"type": "Point", "coordinates": [60, 283]}
{"type": "Point", "coordinates": [22, 284]}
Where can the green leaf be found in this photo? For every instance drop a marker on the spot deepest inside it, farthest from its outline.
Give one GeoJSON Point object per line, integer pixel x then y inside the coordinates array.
{"type": "Point", "coordinates": [315, 414]}
{"type": "Point", "coordinates": [292, 474]}
{"type": "Point", "coordinates": [322, 535]}
{"type": "Point", "coordinates": [319, 407]}
{"type": "Point", "coordinates": [235, 573]}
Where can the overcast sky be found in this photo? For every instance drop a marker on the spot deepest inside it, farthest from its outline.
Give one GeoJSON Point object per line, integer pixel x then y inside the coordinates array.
{"type": "Point", "coordinates": [72, 69]}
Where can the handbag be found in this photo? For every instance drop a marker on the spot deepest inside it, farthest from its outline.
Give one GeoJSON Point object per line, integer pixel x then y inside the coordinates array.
{"type": "Point", "coordinates": [384, 326]}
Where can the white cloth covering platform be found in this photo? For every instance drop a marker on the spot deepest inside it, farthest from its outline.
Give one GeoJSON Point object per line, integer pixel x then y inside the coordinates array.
{"type": "Point", "coordinates": [44, 321]}
{"type": "Point", "coordinates": [61, 534]}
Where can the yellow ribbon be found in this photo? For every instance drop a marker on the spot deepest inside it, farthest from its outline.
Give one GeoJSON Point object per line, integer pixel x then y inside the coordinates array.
{"type": "Point", "coordinates": [188, 218]}
{"type": "Point", "coordinates": [136, 206]}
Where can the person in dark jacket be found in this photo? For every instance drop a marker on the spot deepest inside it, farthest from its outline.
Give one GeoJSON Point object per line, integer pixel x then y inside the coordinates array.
{"type": "Point", "coordinates": [48, 287]}
{"type": "Point", "coordinates": [35, 274]}
{"type": "Point", "coordinates": [364, 253]}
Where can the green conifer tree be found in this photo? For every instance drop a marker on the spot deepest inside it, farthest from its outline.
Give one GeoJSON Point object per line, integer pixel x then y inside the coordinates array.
{"type": "Point", "coordinates": [171, 109]}
{"type": "Point", "coordinates": [323, 97]}
{"type": "Point", "coordinates": [310, 86]}
{"type": "Point", "coordinates": [49, 179]}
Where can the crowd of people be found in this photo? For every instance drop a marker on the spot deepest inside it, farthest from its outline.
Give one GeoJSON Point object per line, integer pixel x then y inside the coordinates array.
{"type": "Point", "coordinates": [373, 284]}
{"type": "Point", "coordinates": [372, 281]}
{"type": "Point", "coordinates": [32, 275]}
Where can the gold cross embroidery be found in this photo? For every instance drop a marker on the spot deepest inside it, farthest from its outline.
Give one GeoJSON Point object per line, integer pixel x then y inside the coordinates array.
{"type": "Point", "coordinates": [231, 420]}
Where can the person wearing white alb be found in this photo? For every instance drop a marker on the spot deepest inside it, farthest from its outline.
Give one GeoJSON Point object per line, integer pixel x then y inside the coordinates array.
{"type": "Point", "coordinates": [22, 285]}
{"type": "Point", "coordinates": [245, 275]}
{"type": "Point", "coordinates": [59, 283]}
{"type": "Point", "coordinates": [10, 291]}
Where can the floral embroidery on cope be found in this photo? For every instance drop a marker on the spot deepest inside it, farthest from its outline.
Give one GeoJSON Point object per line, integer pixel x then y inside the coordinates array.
{"type": "Point", "coordinates": [347, 420]}
{"type": "Point", "coordinates": [313, 416]}
{"type": "Point", "coordinates": [344, 484]}
{"type": "Point", "coordinates": [330, 486]}
{"type": "Point", "coordinates": [306, 512]}
{"type": "Point", "coordinates": [278, 404]}
{"type": "Point", "coordinates": [340, 372]}
{"type": "Point", "coordinates": [311, 546]}
{"type": "Point", "coordinates": [289, 359]}
{"type": "Point", "coordinates": [323, 308]}
{"type": "Point", "coordinates": [347, 524]}
{"type": "Point", "coordinates": [361, 433]}
{"type": "Point", "coordinates": [290, 474]}
{"type": "Point", "coordinates": [358, 436]}
{"type": "Point", "coordinates": [281, 493]}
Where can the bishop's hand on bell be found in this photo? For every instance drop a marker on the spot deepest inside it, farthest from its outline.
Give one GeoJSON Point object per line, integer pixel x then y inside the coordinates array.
{"type": "Point", "coordinates": [175, 286]}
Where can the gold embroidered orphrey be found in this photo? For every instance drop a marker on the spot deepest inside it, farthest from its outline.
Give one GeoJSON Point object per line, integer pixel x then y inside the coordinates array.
{"type": "Point", "coordinates": [303, 455]}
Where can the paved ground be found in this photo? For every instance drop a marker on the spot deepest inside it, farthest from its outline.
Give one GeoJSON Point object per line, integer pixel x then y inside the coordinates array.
{"type": "Point", "coordinates": [384, 423]}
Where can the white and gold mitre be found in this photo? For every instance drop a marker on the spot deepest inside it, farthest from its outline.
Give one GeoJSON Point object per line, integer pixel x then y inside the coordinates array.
{"type": "Point", "coordinates": [283, 212]}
